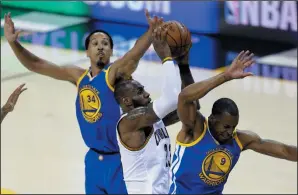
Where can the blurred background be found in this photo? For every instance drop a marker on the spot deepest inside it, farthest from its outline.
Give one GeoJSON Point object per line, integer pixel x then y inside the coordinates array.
{"type": "Point", "coordinates": [43, 151]}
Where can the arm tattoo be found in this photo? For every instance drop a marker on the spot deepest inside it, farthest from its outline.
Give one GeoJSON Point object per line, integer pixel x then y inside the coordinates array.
{"type": "Point", "coordinates": [136, 113]}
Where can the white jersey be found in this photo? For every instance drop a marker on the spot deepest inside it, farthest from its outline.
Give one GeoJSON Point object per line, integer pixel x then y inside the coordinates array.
{"type": "Point", "coordinates": [147, 171]}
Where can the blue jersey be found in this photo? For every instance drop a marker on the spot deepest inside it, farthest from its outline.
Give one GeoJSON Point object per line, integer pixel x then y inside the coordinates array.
{"type": "Point", "coordinates": [97, 111]}
{"type": "Point", "coordinates": [203, 166]}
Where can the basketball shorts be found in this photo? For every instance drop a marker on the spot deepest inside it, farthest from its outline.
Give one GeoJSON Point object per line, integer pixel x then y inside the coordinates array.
{"type": "Point", "coordinates": [104, 173]}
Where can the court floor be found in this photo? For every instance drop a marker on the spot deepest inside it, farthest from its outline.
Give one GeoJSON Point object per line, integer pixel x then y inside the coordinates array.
{"type": "Point", "coordinates": [42, 150]}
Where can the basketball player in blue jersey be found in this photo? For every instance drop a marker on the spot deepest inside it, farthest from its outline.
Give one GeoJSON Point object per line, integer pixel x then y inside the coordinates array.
{"type": "Point", "coordinates": [96, 109]}
{"type": "Point", "coordinates": [208, 149]}
{"type": "Point", "coordinates": [11, 102]}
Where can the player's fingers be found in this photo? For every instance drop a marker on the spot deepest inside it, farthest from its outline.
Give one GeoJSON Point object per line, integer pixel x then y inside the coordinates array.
{"type": "Point", "coordinates": [22, 85]}
{"type": "Point", "coordinates": [249, 63]}
{"type": "Point", "coordinates": [246, 74]}
{"type": "Point", "coordinates": [5, 18]}
{"type": "Point", "coordinates": [248, 58]}
{"type": "Point", "coordinates": [155, 20]}
{"type": "Point", "coordinates": [159, 30]}
{"type": "Point", "coordinates": [160, 21]}
{"type": "Point", "coordinates": [24, 89]}
{"type": "Point", "coordinates": [147, 14]}
{"type": "Point", "coordinates": [164, 34]}
{"type": "Point", "coordinates": [244, 56]}
{"type": "Point", "coordinates": [18, 32]}
{"type": "Point", "coordinates": [17, 90]}
{"type": "Point", "coordinates": [239, 55]}
{"type": "Point", "coordinates": [154, 34]}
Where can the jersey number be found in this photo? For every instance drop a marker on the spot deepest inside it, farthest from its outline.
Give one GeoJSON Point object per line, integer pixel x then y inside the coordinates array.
{"type": "Point", "coordinates": [168, 154]}
{"type": "Point", "coordinates": [91, 99]}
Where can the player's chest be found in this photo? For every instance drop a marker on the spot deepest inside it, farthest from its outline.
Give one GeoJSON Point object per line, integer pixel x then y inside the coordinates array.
{"type": "Point", "coordinates": [210, 164]}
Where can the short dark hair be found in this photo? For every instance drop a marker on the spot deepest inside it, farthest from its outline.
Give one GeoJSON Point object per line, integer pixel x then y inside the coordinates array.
{"type": "Point", "coordinates": [120, 88]}
{"type": "Point", "coordinates": [87, 40]}
{"type": "Point", "coordinates": [225, 105]}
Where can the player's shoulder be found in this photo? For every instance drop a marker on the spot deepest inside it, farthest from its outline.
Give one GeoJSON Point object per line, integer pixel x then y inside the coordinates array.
{"type": "Point", "coordinates": [246, 136]}
{"type": "Point", "coordinates": [245, 133]}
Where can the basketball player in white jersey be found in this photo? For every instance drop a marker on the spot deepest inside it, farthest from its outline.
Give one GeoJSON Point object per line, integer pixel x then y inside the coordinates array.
{"type": "Point", "coordinates": [143, 139]}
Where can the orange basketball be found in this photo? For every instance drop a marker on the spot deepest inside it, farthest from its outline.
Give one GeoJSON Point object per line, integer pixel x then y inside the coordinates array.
{"type": "Point", "coordinates": [178, 38]}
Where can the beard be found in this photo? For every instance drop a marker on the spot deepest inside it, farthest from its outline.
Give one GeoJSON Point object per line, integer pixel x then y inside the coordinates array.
{"type": "Point", "coordinates": [100, 64]}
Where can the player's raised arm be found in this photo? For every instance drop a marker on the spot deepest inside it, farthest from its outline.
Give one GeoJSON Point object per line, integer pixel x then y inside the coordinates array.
{"type": "Point", "coordinates": [186, 79]}
{"type": "Point", "coordinates": [11, 102]}
{"type": "Point", "coordinates": [129, 62]}
{"type": "Point", "coordinates": [193, 92]}
{"type": "Point", "coordinates": [252, 141]}
{"type": "Point", "coordinates": [33, 62]}
{"type": "Point", "coordinates": [167, 102]}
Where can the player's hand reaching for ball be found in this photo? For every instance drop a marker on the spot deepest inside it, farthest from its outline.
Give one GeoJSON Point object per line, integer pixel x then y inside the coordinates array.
{"type": "Point", "coordinates": [9, 31]}
{"type": "Point", "coordinates": [160, 44]}
{"type": "Point", "coordinates": [153, 22]}
{"type": "Point", "coordinates": [239, 64]}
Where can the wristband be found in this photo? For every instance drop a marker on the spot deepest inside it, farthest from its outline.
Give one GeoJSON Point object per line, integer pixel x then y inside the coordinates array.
{"type": "Point", "coordinates": [167, 59]}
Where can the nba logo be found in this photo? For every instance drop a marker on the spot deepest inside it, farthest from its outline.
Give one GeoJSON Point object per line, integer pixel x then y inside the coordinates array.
{"type": "Point", "coordinates": [231, 12]}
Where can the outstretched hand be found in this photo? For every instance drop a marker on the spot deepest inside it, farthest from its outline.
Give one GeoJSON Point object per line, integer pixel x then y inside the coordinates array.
{"type": "Point", "coordinates": [242, 61]}
{"type": "Point", "coordinates": [153, 22]}
{"type": "Point", "coordinates": [13, 98]}
{"type": "Point", "coordinates": [9, 30]}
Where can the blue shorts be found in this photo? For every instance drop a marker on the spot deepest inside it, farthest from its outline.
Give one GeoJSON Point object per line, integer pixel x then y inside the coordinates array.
{"type": "Point", "coordinates": [104, 174]}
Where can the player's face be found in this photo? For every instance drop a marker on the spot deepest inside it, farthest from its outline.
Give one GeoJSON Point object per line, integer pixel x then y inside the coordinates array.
{"type": "Point", "coordinates": [139, 96]}
{"type": "Point", "coordinates": [99, 48]}
{"type": "Point", "coordinates": [223, 126]}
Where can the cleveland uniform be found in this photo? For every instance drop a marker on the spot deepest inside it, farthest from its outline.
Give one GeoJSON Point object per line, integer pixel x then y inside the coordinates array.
{"type": "Point", "coordinates": [203, 166]}
{"type": "Point", "coordinates": [146, 170]}
{"type": "Point", "coordinates": [97, 114]}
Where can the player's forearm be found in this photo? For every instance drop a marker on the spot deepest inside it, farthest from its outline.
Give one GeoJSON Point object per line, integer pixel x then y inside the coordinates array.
{"type": "Point", "coordinates": [29, 60]}
{"type": "Point", "coordinates": [140, 47]}
{"type": "Point", "coordinates": [200, 89]}
{"type": "Point", "coordinates": [171, 88]}
{"type": "Point", "coordinates": [185, 75]}
{"type": "Point", "coordinates": [186, 79]}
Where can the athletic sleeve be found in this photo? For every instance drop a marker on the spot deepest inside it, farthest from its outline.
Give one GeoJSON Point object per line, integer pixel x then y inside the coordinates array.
{"type": "Point", "coordinates": [171, 88]}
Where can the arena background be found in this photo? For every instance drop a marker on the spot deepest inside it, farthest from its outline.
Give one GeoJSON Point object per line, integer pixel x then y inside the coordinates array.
{"type": "Point", "coordinates": [41, 147]}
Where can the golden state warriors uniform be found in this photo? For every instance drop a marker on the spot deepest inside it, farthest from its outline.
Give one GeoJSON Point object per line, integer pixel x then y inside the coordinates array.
{"type": "Point", "coordinates": [202, 167]}
{"type": "Point", "coordinates": [97, 114]}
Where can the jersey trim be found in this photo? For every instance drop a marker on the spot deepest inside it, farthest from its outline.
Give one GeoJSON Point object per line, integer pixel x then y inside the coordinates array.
{"type": "Point", "coordinates": [139, 148]}
{"type": "Point", "coordinates": [107, 79]}
{"type": "Point", "coordinates": [196, 141]}
{"type": "Point", "coordinates": [81, 78]}
{"type": "Point", "coordinates": [237, 140]}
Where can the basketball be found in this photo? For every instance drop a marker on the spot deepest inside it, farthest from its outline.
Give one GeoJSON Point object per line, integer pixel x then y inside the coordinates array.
{"type": "Point", "coordinates": [178, 38]}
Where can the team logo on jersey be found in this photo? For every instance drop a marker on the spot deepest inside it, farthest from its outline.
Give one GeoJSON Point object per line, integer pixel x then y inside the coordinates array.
{"type": "Point", "coordinates": [216, 166]}
{"type": "Point", "coordinates": [90, 103]}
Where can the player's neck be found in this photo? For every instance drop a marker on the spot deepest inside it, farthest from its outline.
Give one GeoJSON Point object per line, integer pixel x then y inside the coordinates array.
{"type": "Point", "coordinates": [95, 70]}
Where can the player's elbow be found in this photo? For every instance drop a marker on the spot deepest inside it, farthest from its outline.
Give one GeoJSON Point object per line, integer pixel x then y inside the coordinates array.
{"type": "Point", "coordinates": [182, 98]}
